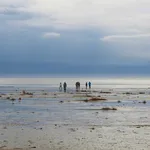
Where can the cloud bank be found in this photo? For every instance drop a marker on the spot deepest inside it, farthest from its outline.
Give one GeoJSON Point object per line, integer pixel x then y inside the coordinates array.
{"type": "Point", "coordinates": [94, 31]}
{"type": "Point", "coordinates": [124, 37]}
{"type": "Point", "coordinates": [51, 35]}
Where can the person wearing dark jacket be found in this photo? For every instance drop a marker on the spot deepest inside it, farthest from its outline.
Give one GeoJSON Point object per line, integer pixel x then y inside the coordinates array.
{"type": "Point", "coordinates": [77, 86]}
{"type": "Point", "coordinates": [65, 86]}
{"type": "Point", "coordinates": [89, 85]}
{"type": "Point", "coordinates": [86, 84]}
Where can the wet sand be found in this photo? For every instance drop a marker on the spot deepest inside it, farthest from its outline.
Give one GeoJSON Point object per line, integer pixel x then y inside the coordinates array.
{"type": "Point", "coordinates": [51, 120]}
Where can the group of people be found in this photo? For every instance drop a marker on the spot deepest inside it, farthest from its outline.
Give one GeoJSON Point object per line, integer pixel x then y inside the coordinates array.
{"type": "Point", "coordinates": [64, 86]}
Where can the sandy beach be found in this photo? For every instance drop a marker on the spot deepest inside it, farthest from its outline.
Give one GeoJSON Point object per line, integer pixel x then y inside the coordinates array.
{"type": "Point", "coordinates": [96, 119]}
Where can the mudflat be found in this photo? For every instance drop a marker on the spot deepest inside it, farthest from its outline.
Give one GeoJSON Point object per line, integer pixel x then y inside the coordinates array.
{"type": "Point", "coordinates": [101, 119]}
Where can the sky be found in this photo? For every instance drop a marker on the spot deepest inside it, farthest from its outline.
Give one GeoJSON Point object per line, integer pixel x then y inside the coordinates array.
{"type": "Point", "coordinates": [74, 36]}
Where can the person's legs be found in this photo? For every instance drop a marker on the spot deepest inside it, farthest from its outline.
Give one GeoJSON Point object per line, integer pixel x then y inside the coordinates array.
{"type": "Point", "coordinates": [76, 88]}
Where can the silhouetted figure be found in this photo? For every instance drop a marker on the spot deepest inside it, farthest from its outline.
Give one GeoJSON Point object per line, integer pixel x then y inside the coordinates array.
{"type": "Point", "coordinates": [65, 86]}
{"type": "Point", "coordinates": [77, 86]}
{"type": "Point", "coordinates": [60, 87]}
{"type": "Point", "coordinates": [89, 85]}
{"type": "Point", "coordinates": [86, 84]}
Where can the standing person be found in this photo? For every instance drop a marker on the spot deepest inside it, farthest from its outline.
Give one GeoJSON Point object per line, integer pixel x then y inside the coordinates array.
{"type": "Point", "coordinates": [89, 85]}
{"type": "Point", "coordinates": [60, 87]}
{"type": "Point", "coordinates": [77, 86]}
{"type": "Point", "coordinates": [86, 84]}
{"type": "Point", "coordinates": [65, 86]}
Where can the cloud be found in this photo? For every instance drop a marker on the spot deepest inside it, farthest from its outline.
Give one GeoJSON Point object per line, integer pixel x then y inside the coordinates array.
{"type": "Point", "coordinates": [124, 37]}
{"type": "Point", "coordinates": [51, 35]}
{"type": "Point", "coordinates": [110, 15]}
{"type": "Point", "coordinates": [114, 20]}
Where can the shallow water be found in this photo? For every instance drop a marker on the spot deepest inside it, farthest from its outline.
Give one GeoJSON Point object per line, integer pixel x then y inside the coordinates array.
{"type": "Point", "coordinates": [50, 110]}
{"type": "Point", "coordinates": [39, 112]}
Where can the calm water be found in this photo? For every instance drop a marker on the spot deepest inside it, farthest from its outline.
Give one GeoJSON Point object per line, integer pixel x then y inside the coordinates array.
{"type": "Point", "coordinates": [116, 82]}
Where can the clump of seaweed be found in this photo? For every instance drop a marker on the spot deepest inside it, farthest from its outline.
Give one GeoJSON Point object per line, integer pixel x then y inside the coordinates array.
{"type": "Point", "coordinates": [105, 92]}
{"type": "Point", "coordinates": [108, 108]}
{"type": "Point", "coordinates": [95, 99]}
{"type": "Point", "coordinates": [144, 102]}
{"type": "Point", "coordinates": [141, 92]}
{"type": "Point", "coordinates": [128, 93]}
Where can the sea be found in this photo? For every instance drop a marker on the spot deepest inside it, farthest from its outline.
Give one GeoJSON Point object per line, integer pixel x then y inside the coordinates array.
{"type": "Point", "coordinates": [98, 81]}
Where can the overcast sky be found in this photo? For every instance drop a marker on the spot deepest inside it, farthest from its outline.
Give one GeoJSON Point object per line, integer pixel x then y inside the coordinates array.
{"type": "Point", "coordinates": [73, 34]}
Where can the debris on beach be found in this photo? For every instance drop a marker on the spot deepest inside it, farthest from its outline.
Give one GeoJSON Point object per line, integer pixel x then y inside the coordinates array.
{"type": "Point", "coordinates": [44, 93]}
{"type": "Point", "coordinates": [92, 128]}
{"type": "Point", "coordinates": [141, 92]}
{"type": "Point", "coordinates": [33, 147]}
{"type": "Point", "coordinates": [128, 93]}
{"type": "Point", "coordinates": [144, 102]}
{"type": "Point", "coordinates": [108, 108]}
{"type": "Point", "coordinates": [119, 101]}
{"type": "Point", "coordinates": [72, 129]}
{"type": "Point", "coordinates": [104, 92]}
{"type": "Point", "coordinates": [26, 93]}
{"type": "Point", "coordinates": [7, 97]}
{"type": "Point", "coordinates": [95, 99]}
{"type": "Point", "coordinates": [13, 99]}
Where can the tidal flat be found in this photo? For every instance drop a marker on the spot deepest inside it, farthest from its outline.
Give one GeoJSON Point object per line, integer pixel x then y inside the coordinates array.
{"type": "Point", "coordinates": [45, 118]}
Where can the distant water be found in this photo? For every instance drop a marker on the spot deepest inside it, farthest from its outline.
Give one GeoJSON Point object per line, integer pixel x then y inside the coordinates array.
{"type": "Point", "coordinates": [97, 82]}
